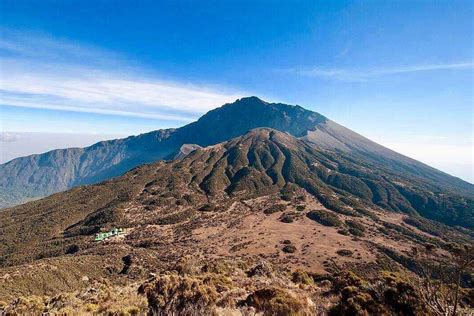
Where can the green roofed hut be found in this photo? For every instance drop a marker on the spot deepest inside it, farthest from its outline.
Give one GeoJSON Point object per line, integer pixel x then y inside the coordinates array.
{"type": "Point", "coordinates": [106, 235]}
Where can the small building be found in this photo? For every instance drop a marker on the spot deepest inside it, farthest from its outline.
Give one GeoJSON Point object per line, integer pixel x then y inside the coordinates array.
{"type": "Point", "coordinates": [105, 235]}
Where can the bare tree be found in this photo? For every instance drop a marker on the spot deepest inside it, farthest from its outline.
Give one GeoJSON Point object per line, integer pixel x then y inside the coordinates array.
{"type": "Point", "coordinates": [441, 275]}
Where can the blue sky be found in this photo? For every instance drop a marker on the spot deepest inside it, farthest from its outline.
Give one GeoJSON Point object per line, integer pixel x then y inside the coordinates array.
{"type": "Point", "coordinates": [398, 72]}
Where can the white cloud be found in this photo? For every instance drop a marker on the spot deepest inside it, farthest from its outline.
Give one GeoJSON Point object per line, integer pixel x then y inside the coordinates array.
{"type": "Point", "coordinates": [46, 73]}
{"type": "Point", "coordinates": [6, 137]}
{"type": "Point", "coordinates": [365, 74]}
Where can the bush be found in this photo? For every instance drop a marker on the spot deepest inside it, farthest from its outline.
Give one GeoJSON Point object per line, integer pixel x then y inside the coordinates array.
{"type": "Point", "coordinates": [289, 249]}
{"type": "Point", "coordinates": [390, 295]}
{"type": "Point", "coordinates": [261, 269]}
{"type": "Point", "coordinates": [181, 295]}
{"type": "Point", "coordinates": [355, 228]}
{"type": "Point", "coordinates": [345, 253]}
{"type": "Point", "coordinates": [302, 277]}
{"type": "Point", "coordinates": [275, 301]}
{"type": "Point", "coordinates": [324, 218]}
{"type": "Point", "coordinates": [288, 192]}
{"type": "Point", "coordinates": [334, 204]}
{"type": "Point", "coordinates": [287, 218]}
{"type": "Point", "coordinates": [300, 208]}
{"type": "Point", "coordinates": [356, 302]}
{"type": "Point", "coordinates": [343, 231]}
{"type": "Point", "coordinates": [274, 209]}
{"type": "Point", "coordinates": [356, 232]}
{"type": "Point", "coordinates": [72, 249]}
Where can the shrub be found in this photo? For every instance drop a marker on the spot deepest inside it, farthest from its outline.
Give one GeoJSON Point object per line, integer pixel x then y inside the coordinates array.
{"type": "Point", "coordinates": [302, 277]}
{"type": "Point", "coordinates": [334, 204]}
{"type": "Point", "coordinates": [261, 269]}
{"type": "Point", "coordinates": [72, 249]}
{"type": "Point", "coordinates": [287, 218]}
{"type": "Point", "coordinates": [300, 208]}
{"type": "Point", "coordinates": [181, 295]}
{"type": "Point", "coordinates": [355, 228]}
{"type": "Point", "coordinates": [288, 192]}
{"type": "Point", "coordinates": [289, 249]}
{"type": "Point", "coordinates": [356, 302]}
{"type": "Point", "coordinates": [345, 253]}
{"type": "Point", "coordinates": [356, 232]}
{"type": "Point", "coordinates": [275, 301]}
{"type": "Point", "coordinates": [343, 231]}
{"type": "Point", "coordinates": [324, 218]}
{"type": "Point", "coordinates": [401, 296]}
{"type": "Point", "coordinates": [275, 208]}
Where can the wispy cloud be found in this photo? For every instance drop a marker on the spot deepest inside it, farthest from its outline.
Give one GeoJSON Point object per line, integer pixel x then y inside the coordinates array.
{"type": "Point", "coordinates": [366, 74]}
{"type": "Point", "coordinates": [40, 72]}
{"type": "Point", "coordinates": [6, 137]}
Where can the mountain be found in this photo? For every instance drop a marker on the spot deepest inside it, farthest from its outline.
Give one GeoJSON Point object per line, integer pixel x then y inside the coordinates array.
{"type": "Point", "coordinates": [264, 211]}
{"type": "Point", "coordinates": [422, 188]}
{"type": "Point", "coordinates": [39, 175]}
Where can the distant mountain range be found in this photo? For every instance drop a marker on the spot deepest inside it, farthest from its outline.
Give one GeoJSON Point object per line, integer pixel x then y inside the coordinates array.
{"type": "Point", "coordinates": [358, 165]}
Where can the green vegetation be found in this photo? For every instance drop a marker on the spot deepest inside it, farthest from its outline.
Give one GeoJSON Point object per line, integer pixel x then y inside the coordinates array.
{"type": "Point", "coordinates": [335, 205]}
{"type": "Point", "coordinates": [287, 218]}
{"type": "Point", "coordinates": [276, 301]}
{"type": "Point", "coordinates": [289, 248]}
{"type": "Point", "coordinates": [302, 277]}
{"type": "Point", "coordinates": [345, 253]}
{"type": "Point", "coordinates": [275, 208]}
{"type": "Point", "coordinates": [174, 294]}
{"type": "Point", "coordinates": [300, 208]}
{"type": "Point", "coordinates": [394, 296]}
{"type": "Point", "coordinates": [355, 228]}
{"type": "Point", "coordinates": [324, 218]}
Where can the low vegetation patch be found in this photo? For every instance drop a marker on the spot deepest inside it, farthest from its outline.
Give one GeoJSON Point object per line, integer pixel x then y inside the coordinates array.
{"type": "Point", "coordinates": [274, 209]}
{"type": "Point", "coordinates": [287, 218]}
{"type": "Point", "coordinates": [345, 253]}
{"type": "Point", "coordinates": [302, 277]}
{"type": "Point", "coordinates": [355, 228]}
{"type": "Point", "coordinates": [179, 295]}
{"type": "Point", "coordinates": [324, 218]}
{"type": "Point", "coordinates": [276, 301]}
{"type": "Point", "coordinates": [289, 248]}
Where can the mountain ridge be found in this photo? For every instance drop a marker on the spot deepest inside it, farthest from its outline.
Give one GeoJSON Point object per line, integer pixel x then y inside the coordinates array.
{"type": "Point", "coordinates": [39, 175]}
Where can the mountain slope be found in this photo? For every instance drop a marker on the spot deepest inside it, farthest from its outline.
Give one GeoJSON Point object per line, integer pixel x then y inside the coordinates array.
{"type": "Point", "coordinates": [265, 195]}
{"type": "Point", "coordinates": [39, 175]}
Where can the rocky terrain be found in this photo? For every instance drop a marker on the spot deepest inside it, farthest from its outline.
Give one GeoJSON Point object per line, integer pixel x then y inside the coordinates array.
{"type": "Point", "coordinates": [263, 223]}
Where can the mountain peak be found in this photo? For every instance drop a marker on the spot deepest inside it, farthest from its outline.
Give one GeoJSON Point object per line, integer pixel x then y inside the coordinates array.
{"type": "Point", "coordinates": [250, 100]}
